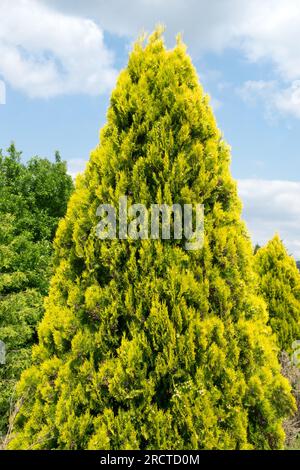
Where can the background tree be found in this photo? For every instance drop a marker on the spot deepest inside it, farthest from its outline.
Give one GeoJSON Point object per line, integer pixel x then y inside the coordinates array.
{"type": "Point", "coordinates": [33, 197]}
{"type": "Point", "coordinates": [280, 286]}
{"type": "Point", "coordinates": [145, 345]}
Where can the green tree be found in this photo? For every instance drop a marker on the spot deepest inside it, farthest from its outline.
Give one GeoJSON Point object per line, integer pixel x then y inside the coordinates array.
{"type": "Point", "coordinates": [36, 193]}
{"type": "Point", "coordinates": [33, 197]}
{"type": "Point", "coordinates": [280, 286]}
{"type": "Point", "coordinates": [145, 345]}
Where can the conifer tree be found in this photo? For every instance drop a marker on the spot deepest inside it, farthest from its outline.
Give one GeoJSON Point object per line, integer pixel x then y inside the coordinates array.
{"type": "Point", "coordinates": [280, 286]}
{"type": "Point", "coordinates": [145, 345]}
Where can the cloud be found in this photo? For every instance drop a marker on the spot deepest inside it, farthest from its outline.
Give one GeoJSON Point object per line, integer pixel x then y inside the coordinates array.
{"type": "Point", "coordinates": [270, 207]}
{"type": "Point", "coordinates": [255, 92]}
{"type": "Point", "coordinates": [2, 92]}
{"type": "Point", "coordinates": [49, 47]}
{"type": "Point", "coordinates": [75, 166]}
{"type": "Point", "coordinates": [262, 30]}
{"type": "Point", "coordinates": [207, 25]}
{"type": "Point", "coordinates": [253, 89]}
{"type": "Point", "coordinates": [285, 100]}
{"type": "Point", "coordinates": [288, 100]}
{"type": "Point", "coordinates": [44, 52]}
{"type": "Point", "coordinates": [215, 103]}
{"type": "Point", "coordinates": [273, 32]}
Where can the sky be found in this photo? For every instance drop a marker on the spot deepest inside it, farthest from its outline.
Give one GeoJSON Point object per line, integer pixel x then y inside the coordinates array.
{"type": "Point", "coordinates": [59, 60]}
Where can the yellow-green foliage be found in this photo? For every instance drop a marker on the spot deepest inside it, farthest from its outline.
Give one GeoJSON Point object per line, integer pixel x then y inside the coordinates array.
{"type": "Point", "coordinates": [145, 345]}
{"type": "Point", "coordinates": [280, 286]}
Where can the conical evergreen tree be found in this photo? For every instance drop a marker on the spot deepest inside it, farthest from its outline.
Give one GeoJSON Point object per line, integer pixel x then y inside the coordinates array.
{"type": "Point", "coordinates": [280, 286]}
{"type": "Point", "coordinates": [145, 345]}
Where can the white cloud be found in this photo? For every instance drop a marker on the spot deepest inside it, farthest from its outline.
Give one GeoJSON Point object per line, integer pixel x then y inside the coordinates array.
{"type": "Point", "coordinates": [270, 207]}
{"type": "Point", "coordinates": [288, 100]}
{"type": "Point", "coordinates": [75, 166]}
{"type": "Point", "coordinates": [273, 32]}
{"type": "Point", "coordinates": [49, 47]}
{"type": "Point", "coordinates": [253, 89]}
{"type": "Point", "coordinates": [44, 52]}
{"type": "Point", "coordinates": [206, 24]}
{"type": "Point", "coordinates": [260, 91]}
{"type": "Point", "coordinates": [215, 103]}
{"type": "Point", "coordinates": [284, 100]}
{"type": "Point", "coordinates": [263, 30]}
{"type": "Point", "coordinates": [2, 92]}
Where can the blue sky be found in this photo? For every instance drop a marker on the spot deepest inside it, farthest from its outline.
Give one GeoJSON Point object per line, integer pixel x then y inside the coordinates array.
{"type": "Point", "coordinates": [59, 61]}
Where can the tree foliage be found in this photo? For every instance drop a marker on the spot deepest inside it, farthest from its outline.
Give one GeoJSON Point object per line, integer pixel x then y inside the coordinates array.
{"type": "Point", "coordinates": [280, 286]}
{"type": "Point", "coordinates": [145, 345]}
{"type": "Point", "coordinates": [33, 197]}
